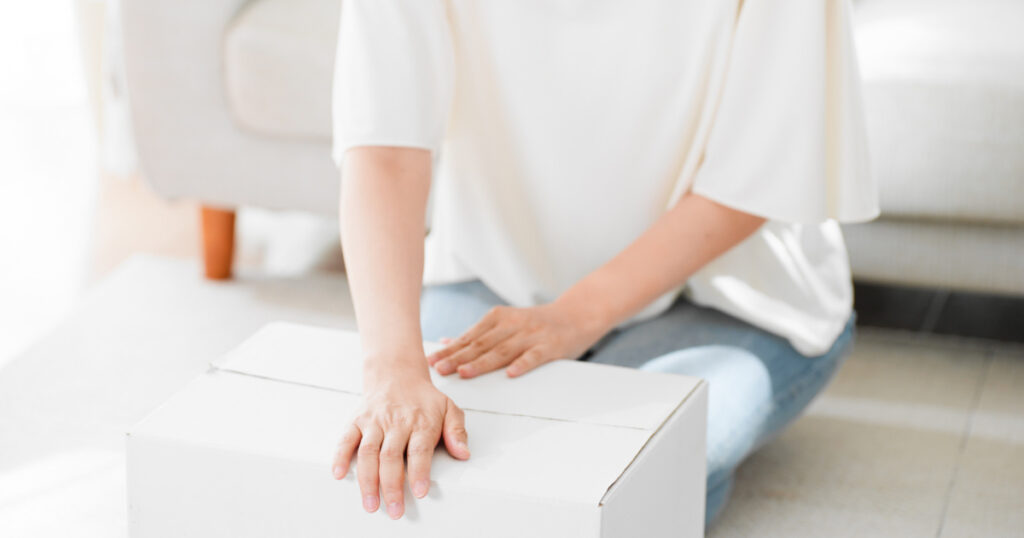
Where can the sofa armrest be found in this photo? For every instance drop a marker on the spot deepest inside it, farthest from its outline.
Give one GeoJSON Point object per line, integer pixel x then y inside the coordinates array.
{"type": "Point", "coordinates": [189, 146]}
{"type": "Point", "coordinates": [174, 77]}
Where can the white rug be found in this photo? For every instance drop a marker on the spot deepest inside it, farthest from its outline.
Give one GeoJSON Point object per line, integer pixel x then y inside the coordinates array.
{"type": "Point", "coordinates": [146, 330]}
{"type": "Point", "coordinates": [914, 438]}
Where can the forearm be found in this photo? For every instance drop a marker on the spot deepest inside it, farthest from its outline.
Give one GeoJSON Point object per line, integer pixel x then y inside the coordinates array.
{"type": "Point", "coordinates": [687, 237]}
{"type": "Point", "coordinates": [383, 210]}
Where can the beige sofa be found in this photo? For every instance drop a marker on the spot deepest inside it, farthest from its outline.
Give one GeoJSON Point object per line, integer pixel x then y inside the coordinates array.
{"type": "Point", "coordinates": [230, 104]}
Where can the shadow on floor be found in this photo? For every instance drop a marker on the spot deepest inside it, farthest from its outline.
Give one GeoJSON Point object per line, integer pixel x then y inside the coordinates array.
{"type": "Point", "coordinates": [933, 311]}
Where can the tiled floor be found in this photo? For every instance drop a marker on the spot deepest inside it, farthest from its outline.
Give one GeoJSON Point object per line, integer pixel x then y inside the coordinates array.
{"type": "Point", "coordinates": [917, 436]}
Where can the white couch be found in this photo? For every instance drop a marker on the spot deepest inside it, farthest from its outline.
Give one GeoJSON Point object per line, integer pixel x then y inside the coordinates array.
{"type": "Point", "coordinates": [230, 103]}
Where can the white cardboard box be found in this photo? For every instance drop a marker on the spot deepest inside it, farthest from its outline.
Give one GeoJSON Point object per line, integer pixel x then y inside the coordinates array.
{"type": "Point", "coordinates": [570, 449]}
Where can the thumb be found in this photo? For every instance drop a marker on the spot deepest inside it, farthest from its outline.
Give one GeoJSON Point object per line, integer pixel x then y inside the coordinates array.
{"type": "Point", "coordinates": [455, 438]}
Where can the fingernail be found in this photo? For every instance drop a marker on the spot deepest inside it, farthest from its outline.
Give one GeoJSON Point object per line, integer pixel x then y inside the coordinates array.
{"type": "Point", "coordinates": [462, 446]}
{"type": "Point", "coordinates": [394, 510]}
{"type": "Point", "coordinates": [337, 471]}
{"type": "Point", "coordinates": [419, 488]}
{"type": "Point", "coordinates": [444, 367]}
{"type": "Point", "coordinates": [370, 503]}
{"type": "Point", "coordinates": [465, 370]}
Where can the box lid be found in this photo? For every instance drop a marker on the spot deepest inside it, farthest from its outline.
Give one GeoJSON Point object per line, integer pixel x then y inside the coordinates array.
{"type": "Point", "coordinates": [565, 432]}
{"type": "Point", "coordinates": [605, 395]}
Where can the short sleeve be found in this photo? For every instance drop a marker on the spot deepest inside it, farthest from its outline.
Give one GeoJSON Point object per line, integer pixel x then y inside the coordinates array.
{"type": "Point", "coordinates": [787, 140]}
{"type": "Point", "coordinates": [393, 77]}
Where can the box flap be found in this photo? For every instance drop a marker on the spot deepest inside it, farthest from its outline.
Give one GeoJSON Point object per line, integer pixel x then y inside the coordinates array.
{"type": "Point", "coordinates": [590, 393]}
{"type": "Point", "coordinates": [287, 424]}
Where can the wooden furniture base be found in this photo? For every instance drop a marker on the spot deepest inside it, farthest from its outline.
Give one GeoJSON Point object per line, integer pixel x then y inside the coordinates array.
{"type": "Point", "coordinates": [218, 229]}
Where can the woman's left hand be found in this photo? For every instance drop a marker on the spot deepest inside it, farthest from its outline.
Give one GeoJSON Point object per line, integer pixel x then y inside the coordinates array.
{"type": "Point", "coordinates": [519, 338]}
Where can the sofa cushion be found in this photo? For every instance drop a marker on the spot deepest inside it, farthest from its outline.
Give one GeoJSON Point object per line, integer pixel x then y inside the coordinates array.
{"type": "Point", "coordinates": [944, 90]}
{"type": "Point", "coordinates": [278, 67]}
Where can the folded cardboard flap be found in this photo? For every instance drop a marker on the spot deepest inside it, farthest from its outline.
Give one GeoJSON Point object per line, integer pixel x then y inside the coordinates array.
{"type": "Point", "coordinates": [331, 359]}
{"type": "Point", "coordinates": [512, 455]}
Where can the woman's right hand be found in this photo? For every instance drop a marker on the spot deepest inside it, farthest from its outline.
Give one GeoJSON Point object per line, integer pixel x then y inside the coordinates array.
{"type": "Point", "coordinates": [402, 413]}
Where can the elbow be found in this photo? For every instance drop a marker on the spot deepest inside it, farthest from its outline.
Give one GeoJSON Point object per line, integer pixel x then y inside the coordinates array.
{"type": "Point", "coordinates": [385, 162]}
{"type": "Point", "coordinates": [385, 180]}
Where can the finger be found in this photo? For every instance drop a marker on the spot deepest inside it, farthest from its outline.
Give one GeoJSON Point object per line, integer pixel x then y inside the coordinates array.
{"type": "Point", "coordinates": [367, 467]}
{"type": "Point", "coordinates": [392, 472]}
{"type": "Point", "coordinates": [420, 453]}
{"type": "Point", "coordinates": [499, 356]}
{"type": "Point", "coordinates": [485, 324]}
{"type": "Point", "coordinates": [529, 360]}
{"type": "Point", "coordinates": [475, 349]}
{"type": "Point", "coordinates": [346, 447]}
{"type": "Point", "coordinates": [455, 438]}
{"type": "Point", "coordinates": [451, 345]}
{"type": "Point", "coordinates": [444, 343]}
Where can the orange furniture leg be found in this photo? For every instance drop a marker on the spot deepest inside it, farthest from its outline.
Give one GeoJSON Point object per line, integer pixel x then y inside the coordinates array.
{"type": "Point", "coordinates": [218, 229]}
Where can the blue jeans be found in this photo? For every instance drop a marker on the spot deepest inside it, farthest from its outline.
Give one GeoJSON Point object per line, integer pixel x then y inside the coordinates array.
{"type": "Point", "coordinates": [758, 384]}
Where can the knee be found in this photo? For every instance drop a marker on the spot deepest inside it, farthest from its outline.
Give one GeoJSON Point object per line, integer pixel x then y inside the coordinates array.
{"type": "Point", "coordinates": [438, 321]}
{"type": "Point", "coordinates": [739, 386]}
{"type": "Point", "coordinates": [706, 361]}
{"type": "Point", "coordinates": [732, 373]}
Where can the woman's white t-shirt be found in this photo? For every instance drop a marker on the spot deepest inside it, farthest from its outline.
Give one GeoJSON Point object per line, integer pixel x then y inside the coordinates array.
{"type": "Point", "coordinates": [562, 129]}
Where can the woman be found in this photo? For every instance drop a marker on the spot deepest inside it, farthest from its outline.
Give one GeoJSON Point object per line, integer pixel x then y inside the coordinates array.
{"type": "Point", "coordinates": [654, 184]}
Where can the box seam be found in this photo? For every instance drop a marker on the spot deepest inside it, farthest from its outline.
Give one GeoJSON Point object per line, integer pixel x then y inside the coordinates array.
{"type": "Point", "coordinates": [648, 441]}
{"type": "Point", "coordinates": [214, 368]}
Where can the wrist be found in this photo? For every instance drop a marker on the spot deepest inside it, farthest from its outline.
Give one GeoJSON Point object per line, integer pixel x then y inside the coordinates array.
{"type": "Point", "coordinates": [586, 310]}
{"type": "Point", "coordinates": [380, 369]}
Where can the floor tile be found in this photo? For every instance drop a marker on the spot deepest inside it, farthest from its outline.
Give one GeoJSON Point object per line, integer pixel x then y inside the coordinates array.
{"type": "Point", "coordinates": [837, 478]}
{"type": "Point", "coordinates": [987, 498]}
{"type": "Point", "coordinates": [885, 367]}
{"type": "Point", "coordinates": [1003, 391]}
{"type": "Point", "coordinates": [875, 455]}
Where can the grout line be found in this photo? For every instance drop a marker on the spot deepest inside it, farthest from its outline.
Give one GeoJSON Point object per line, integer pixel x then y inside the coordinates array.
{"type": "Point", "coordinates": [931, 318]}
{"type": "Point", "coordinates": [964, 438]}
